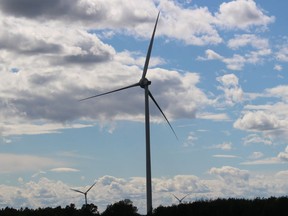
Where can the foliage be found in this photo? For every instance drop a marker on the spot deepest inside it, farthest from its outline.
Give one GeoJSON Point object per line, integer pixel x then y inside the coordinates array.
{"type": "Point", "coordinates": [121, 208]}
{"type": "Point", "coordinates": [236, 207]}
{"type": "Point", "coordinates": [222, 207]}
{"type": "Point", "coordinates": [86, 210]}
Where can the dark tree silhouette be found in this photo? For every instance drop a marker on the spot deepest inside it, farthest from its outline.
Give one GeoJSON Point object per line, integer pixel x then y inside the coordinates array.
{"type": "Point", "coordinates": [121, 208]}
{"type": "Point", "coordinates": [219, 207]}
{"type": "Point", "coordinates": [89, 209]}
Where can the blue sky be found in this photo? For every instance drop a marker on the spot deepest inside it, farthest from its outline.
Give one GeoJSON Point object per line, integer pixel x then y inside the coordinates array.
{"type": "Point", "coordinates": [218, 70]}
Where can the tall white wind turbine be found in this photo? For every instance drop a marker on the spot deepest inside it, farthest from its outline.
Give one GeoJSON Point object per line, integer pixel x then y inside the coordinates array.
{"type": "Point", "coordinates": [144, 83]}
{"type": "Point", "coordinates": [84, 192]}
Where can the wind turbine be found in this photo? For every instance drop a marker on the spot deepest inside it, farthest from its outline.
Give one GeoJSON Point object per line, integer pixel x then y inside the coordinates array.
{"type": "Point", "coordinates": [144, 83]}
{"type": "Point", "coordinates": [85, 193]}
{"type": "Point", "coordinates": [180, 200]}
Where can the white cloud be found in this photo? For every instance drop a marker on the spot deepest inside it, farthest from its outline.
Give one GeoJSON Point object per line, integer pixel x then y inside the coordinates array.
{"type": "Point", "coordinates": [269, 119]}
{"type": "Point", "coordinates": [282, 174]}
{"type": "Point", "coordinates": [237, 61]}
{"type": "Point", "coordinates": [126, 18]}
{"type": "Point", "coordinates": [190, 140]}
{"type": "Point", "coordinates": [224, 146]}
{"type": "Point", "coordinates": [35, 127]}
{"type": "Point", "coordinates": [13, 163]}
{"type": "Point", "coordinates": [193, 25]}
{"type": "Point", "coordinates": [242, 14]}
{"type": "Point", "coordinates": [225, 156]}
{"type": "Point", "coordinates": [228, 80]}
{"type": "Point", "coordinates": [230, 182]}
{"type": "Point", "coordinates": [264, 161]}
{"type": "Point", "coordinates": [257, 56]}
{"type": "Point", "coordinates": [55, 51]}
{"type": "Point", "coordinates": [255, 138]}
{"type": "Point", "coordinates": [280, 91]}
{"type": "Point", "coordinates": [230, 174]}
{"type": "Point", "coordinates": [259, 121]}
{"type": "Point", "coordinates": [256, 155]}
{"type": "Point", "coordinates": [282, 54]}
{"type": "Point", "coordinates": [64, 169]}
{"type": "Point", "coordinates": [283, 156]}
{"type": "Point", "coordinates": [278, 67]}
{"type": "Point", "coordinates": [66, 64]}
{"type": "Point", "coordinates": [248, 39]}
{"type": "Point", "coordinates": [233, 93]}
{"type": "Point", "coordinates": [257, 158]}
{"type": "Point", "coordinates": [212, 55]}
{"type": "Point", "coordinates": [213, 116]}
{"type": "Point", "coordinates": [58, 91]}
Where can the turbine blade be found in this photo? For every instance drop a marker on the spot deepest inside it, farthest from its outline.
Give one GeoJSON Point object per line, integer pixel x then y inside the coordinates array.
{"type": "Point", "coordinates": [151, 96]}
{"type": "Point", "coordinates": [149, 49]}
{"type": "Point", "coordinates": [184, 197]}
{"type": "Point", "coordinates": [109, 92]}
{"type": "Point", "coordinates": [78, 191]}
{"type": "Point", "coordinates": [176, 198]}
{"type": "Point", "coordinates": [90, 188]}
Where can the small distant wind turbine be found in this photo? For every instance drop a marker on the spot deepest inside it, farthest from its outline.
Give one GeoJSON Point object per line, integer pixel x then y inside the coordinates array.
{"type": "Point", "coordinates": [144, 83]}
{"type": "Point", "coordinates": [180, 200]}
{"type": "Point", "coordinates": [85, 193]}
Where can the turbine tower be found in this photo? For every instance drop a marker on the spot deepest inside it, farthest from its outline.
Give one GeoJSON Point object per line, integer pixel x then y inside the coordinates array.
{"type": "Point", "coordinates": [144, 83]}
{"type": "Point", "coordinates": [85, 193]}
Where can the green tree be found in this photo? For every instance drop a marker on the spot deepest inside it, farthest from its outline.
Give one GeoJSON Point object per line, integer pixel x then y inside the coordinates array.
{"type": "Point", "coordinates": [121, 208]}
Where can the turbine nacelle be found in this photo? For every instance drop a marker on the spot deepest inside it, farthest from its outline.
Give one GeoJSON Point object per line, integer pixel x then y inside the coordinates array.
{"type": "Point", "coordinates": [144, 82]}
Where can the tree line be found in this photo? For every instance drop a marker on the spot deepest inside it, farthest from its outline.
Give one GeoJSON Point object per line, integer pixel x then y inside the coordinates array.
{"type": "Point", "coordinates": [233, 207]}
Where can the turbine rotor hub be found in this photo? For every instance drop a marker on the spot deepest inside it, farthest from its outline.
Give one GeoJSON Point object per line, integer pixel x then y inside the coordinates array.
{"type": "Point", "coordinates": [144, 82]}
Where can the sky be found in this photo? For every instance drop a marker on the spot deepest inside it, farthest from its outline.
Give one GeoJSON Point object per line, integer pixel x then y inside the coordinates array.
{"type": "Point", "coordinates": [218, 70]}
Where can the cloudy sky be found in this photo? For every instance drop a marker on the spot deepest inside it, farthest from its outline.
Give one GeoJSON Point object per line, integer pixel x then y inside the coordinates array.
{"type": "Point", "coordinates": [218, 70]}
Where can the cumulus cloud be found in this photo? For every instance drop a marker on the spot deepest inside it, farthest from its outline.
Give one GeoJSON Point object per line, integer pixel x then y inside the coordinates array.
{"type": "Point", "coordinates": [248, 39]}
{"type": "Point", "coordinates": [278, 67]}
{"type": "Point", "coordinates": [257, 158]}
{"type": "Point", "coordinates": [282, 54]}
{"type": "Point", "coordinates": [230, 182]}
{"type": "Point", "coordinates": [211, 55]}
{"type": "Point", "coordinates": [190, 140]}
{"type": "Point", "coordinates": [278, 91]}
{"type": "Point", "coordinates": [192, 25]}
{"type": "Point", "coordinates": [283, 156]}
{"type": "Point", "coordinates": [269, 119]}
{"type": "Point", "coordinates": [62, 106]}
{"type": "Point", "coordinates": [237, 61]}
{"type": "Point", "coordinates": [242, 14]}
{"type": "Point", "coordinates": [258, 121]}
{"type": "Point", "coordinates": [81, 11]}
{"type": "Point", "coordinates": [233, 93]}
{"type": "Point", "coordinates": [224, 146]}
{"type": "Point", "coordinates": [256, 155]}
{"type": "Point", "coordinates": [256, 138]}
{"type": "Point", "coordinates": [67, 64]}
{"type": "Point", "coordinates": [282, 174]}
{"type": "Point", "coordinates": [231, 175]}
